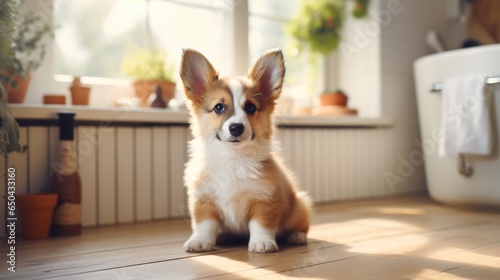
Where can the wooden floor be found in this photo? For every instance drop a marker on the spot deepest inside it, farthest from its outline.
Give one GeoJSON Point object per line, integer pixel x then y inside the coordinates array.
{"type": "Point", "coordinates": [404, 238]}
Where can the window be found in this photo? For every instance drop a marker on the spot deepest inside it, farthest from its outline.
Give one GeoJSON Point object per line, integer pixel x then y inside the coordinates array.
{"type": "Point", "coordinates": [268, 20]}
{"type": "Point", "coordinates": [94, 35]}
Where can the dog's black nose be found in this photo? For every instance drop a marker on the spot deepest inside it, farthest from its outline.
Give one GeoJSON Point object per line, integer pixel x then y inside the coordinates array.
{"type": "Point", "coordinates": [236, 129]}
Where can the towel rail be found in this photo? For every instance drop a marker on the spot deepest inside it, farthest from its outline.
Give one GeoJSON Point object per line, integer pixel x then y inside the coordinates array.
{"type": "Point", "coordinates": [437, 87]}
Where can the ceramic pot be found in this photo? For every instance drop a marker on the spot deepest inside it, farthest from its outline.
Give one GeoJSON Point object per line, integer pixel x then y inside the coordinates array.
{"type": "Point", "coordinates": [54, 99]}
{"type": "Point", "coordinates": [336, 98]}
{"type": "Point", "coordinates": [35, 214]}
{"type": "Point", "coordinates": [16, 94]}
{"type": "Point", "coordinates": [80, 95]}
{"type": "Point", "coordinates": [143, 88]}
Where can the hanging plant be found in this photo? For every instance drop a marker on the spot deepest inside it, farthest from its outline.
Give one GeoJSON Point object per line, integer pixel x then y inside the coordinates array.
{"type": "Point", "coordinates": [360, 8]}
{"type": "Point", "coordinates": [318, 25]}
{"type": "Point", "coordinates": [27, 49]}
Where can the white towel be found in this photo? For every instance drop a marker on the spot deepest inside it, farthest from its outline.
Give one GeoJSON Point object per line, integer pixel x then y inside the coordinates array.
{"type": "Point", "coordinates": [465, 119]}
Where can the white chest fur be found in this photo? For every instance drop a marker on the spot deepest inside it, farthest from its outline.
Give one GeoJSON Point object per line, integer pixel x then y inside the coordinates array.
{"type": "Point", "coordinates": [232, 180]}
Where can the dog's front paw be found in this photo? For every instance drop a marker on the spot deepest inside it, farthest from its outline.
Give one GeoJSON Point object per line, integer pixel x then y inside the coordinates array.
{"type": "Point", "coordinates": [297, 238]}
{"type": "Point", "coordinates": [195, 245]}
{"type": "Point", "coordinates": [263, 246]}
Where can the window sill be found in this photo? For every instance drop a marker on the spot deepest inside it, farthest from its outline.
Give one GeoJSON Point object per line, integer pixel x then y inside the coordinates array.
{"type": "Point", "coordinates": [29, 114]}
{"type": "Point", "coordinates": [34, 114]}
{"type": "Point", "coordinates": [334, 121]}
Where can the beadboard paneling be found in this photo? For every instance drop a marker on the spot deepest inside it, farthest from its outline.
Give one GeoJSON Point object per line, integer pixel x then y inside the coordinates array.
{"type": "Point", "coordinates": [135, 173]}
{"type": "Point", "coordinates": [337, 164]}
{"type": "Point", "coordinates": [178, 147]}
{"type": "Point", "coordinates": [125, 146]}
{"type": "Point", "coordinates": [143, 173]}
{"type": "Point", "coordinates": [38, 159]}
{"type": "Point", "coordinates": [161, 172]}
{"type": "Point", "coordinates": [87, 163]}
{"type": "Point", "coordinates": [53, 151]}
{"type": "Point", "coordinates": [106, 176]}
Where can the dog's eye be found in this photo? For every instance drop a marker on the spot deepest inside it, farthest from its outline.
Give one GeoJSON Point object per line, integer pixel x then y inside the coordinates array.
{"type": "Point", "coordinates": [219, 108]}
{"type": "Point", "coordinates": [250, 108]}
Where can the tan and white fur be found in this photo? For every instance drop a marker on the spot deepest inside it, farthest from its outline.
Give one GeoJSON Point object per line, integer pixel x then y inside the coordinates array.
{"type": "Point", "coordinates": [235, 181]}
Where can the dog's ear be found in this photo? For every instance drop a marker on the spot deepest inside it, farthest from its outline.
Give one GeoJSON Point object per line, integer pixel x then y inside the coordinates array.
{"type": "Point", "coordinates": [268, 73]}
{"type": "Point", "coordinates": [196, 73]}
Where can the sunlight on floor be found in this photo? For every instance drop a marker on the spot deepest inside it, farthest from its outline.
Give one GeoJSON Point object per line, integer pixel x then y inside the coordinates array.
{"type": "Point", "coordinates": [466, 257]}
{"type": "Point", "coordinates": [229, 264]}
{"type": "Point", "coordinates": [380, 223]}
{"type": "Point", "coordinates": [389, 245]}
{"type": "Point", "coordinates": [400, 211]}
{"type": "Point", "coordinates": [431, 274]}
{"type": "Point", "coordinates": [242, 268]}
{"type": "Point", "coordinates": [376, 234]}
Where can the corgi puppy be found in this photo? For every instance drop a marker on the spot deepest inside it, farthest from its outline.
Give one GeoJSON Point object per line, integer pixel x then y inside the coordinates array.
{"type": "Point", "coordinates": [236, 184]}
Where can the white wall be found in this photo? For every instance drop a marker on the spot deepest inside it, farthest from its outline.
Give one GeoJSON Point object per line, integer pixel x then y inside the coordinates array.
{"type": "Point", "coordinates": [403, 41]}
{"type": "Point", "coordinates": [376, 70]}
{"type": "Point", "coordinates": [359, 62]}
{"type": "Point", "coordinates": [390, 38]}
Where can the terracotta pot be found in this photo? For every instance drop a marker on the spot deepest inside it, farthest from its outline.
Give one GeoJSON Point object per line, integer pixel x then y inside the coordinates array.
{"type": "Point", "coordinates": [35, 214]}
{"type": "Point", "coordinates": [16, 94]}
{"type": "Point", "coordinates": [337, 98]}
{"type": "Point", "coordinates": [144, 88]}
{"type": "Point", "coordinates": [80, 95]}
{"type": "Point", "coordinates": [54, 99]}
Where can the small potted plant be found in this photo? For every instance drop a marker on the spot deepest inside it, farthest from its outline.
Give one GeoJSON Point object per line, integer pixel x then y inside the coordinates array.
{"type": "Point", "coordinates": [333, 98]}
{"type": "Point", "coordinates": [149, 68]}
{"type": "Point", "coordinates": [333, 103]}
{"type": "Point", "coordinates": [26, 50]}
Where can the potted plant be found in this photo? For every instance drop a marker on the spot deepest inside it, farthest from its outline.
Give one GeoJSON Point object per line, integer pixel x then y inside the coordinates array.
{"type": "Point", "coordinates": [333, 103]}
{"type": "Point", "coordinates": [360, 8]}
{"type": "Point", "coordinates": [318, 28]}
{"type": "Point", "coordinates": [318, 25]}
{"type": "Point", "coordinates": [80, 94]}
{"type": "Point", "coordinates": [26, 50]}
{"type": "Point", "coordinates": [39, 226]}
{"type": "Point", "coordinates": [9, 129]}
{"type": "Point", "coordinates": [333, 98]}
{"type": "Point", "coordinates": [35, 210]}
{"type": "Point", "coordinates": [149, 68]}
{"type": "Point", "coordinates": [35, 214]}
